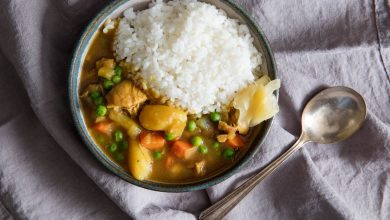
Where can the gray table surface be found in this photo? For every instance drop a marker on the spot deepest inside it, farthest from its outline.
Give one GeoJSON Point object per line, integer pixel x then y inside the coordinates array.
{"type": "Point", "coordinates": [47, 173]}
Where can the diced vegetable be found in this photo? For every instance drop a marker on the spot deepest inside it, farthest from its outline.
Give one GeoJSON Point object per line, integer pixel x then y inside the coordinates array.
{"type": "Point", "coordinates": [97, 89]}
{"type": "Point", "coordinates": [151, 140]}
{"type": "Point", "coordinates": [180, 147]}
{"type": "Point", "coordinates": [106, 68]}
{"type": "Point", "coordinates": [215, 116]}
{"type": "Point", "coordinates": [107, 84]}
{"type": "Point", "coordinates": [118, 71]}
{"type": "Point", "coordinates": [113, 147]}
{"type": "Point", "coordinates": [118, 136]}
{"type": "Point", "coordinates": [95, 94]}
{"type": "Point", "coordinates": [170, 137]}
{"type": "Point", "coordinates": [203, 149]}
{"type": "Point", "coordinates": [256, 103]}
{"type": "Point", "coordinates": [191, 125]}
{"type": "Point", "coordinates": [140, 160]}
{"type": "Point", "coordinates": [106, 72]}
{"type": "Point", "coordinates": [216, 145]}
{"type": "Point", "coordinates": [98, 100]}
{"type": "Point", "coordinates": [207, 126]}
{"type": "Point", "coordinates": [101, 110]}
{"type": "Point", "coordinates": [163, 118]}
{"type": "Point", "coordinates": [236, 142]}
{"type": "Point", "coordinates": [133, 129]}
{"type": "Point", "coordinates": [157, 154]}
{"type": "Point", "coordinates": [116, 79]}
{"type": "Point", "coordinates": [104, 127]}
{"type": "Point", "coordinates": [228, 153]}
{"type": "Point", "coordinates": [196, 141]}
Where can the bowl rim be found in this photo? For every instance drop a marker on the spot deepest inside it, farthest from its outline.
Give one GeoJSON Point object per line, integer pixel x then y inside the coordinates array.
{"type": "Point", "coordinates": [78, 119]}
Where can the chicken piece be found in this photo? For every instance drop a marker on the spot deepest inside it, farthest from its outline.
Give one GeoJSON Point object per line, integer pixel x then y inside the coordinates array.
{"type": "Point", "coordinates": [90, 88]}
{"type": "Point", "coordinates": [230, 130]}
{"type": "Point", "coordinates": [222, 138]}
{"type": "Point", "coordinates": [200, 168]}
{"type": "Point", "coordinates": [126, 96]}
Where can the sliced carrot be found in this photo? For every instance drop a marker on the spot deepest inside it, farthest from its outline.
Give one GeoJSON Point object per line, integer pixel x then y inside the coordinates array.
{"type": "Point", "coordinates": [180, 147]}
{"type": "Point", "coordinates": [151, 140]}
{"type": "Point", "coordinates": [236, 142]}
{"type": "Point", "coordinates": [104, 127]}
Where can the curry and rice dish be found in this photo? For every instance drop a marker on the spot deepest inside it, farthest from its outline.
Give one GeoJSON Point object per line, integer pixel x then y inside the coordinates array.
{"type": "Point", "coordinates": [170, 93]}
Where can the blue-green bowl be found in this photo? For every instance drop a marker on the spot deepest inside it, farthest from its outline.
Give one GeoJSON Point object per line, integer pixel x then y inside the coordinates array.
{"type": "Point", "coordinates": [114, 10]}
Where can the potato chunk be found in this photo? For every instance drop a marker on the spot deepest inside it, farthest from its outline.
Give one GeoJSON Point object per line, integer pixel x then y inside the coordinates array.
{"type": "Point", "coordinates": [133, 129]}
{"type": "Point", "coordinates": [106, 68]}
{"type": "Point", "coordinates": [163, 118]}
{"type": "Point", "coordinates": [140, 160]}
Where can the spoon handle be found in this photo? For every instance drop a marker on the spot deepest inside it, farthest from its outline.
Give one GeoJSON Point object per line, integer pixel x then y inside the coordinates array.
{"type": "Point", "coordinates": [223, 206]}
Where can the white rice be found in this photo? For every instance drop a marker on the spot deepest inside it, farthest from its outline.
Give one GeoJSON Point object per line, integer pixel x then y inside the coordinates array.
{"type": "Point", "coordinates": [188, 51]}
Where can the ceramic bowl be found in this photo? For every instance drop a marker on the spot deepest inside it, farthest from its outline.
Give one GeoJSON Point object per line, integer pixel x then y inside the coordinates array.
{"type": "Point", "coordinates": [114, 10]}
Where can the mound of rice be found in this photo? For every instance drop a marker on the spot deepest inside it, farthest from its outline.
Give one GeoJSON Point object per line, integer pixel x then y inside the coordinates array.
{"type": "Point", "coordinates": [188, 51]}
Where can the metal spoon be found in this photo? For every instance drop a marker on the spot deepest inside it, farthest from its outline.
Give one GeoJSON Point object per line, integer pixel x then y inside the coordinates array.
{"type": "Point", "coordinates": [332, 115]}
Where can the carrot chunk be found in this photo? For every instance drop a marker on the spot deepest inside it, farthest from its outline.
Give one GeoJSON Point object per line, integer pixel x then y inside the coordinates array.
{"type": "Point", "coordinates": [104, 127]}
{"type": "Point", "coordinates": [151, 140]}
{"type": "Point", "coordinates": [180, 147]}
{"type": "Point", "coordinates": [236, 142]}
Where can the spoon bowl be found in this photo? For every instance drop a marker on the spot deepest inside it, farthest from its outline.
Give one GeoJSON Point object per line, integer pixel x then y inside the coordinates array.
{"type": "Point", "coordinates": [333, 115]}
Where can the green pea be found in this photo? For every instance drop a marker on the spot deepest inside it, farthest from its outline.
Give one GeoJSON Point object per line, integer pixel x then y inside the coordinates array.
{"type": "Point", "coordinates": [98, 100]}
{"type": "Point", "coordinates": [215, 116]}
{"type": "Point", "coordinates": [119, 157]}
{"type": "Point", "coordinates": [113, 147]}
{"type": "Point", "coordinates": [216, 145]}
{"type": "Point", "coordinates": [196, 141]}
{"type": "Point", "coordinates": [169, 136]}
{"type": "Point", "coordinates": [118, 71]}
{"type": "Point", "coordinates": [107, 84]}
{"type": "Point", "coordinates": [118, 136]}
{"type": "Point", "coordinates": [191, 125]}
{"type": "Point", "coordinates": [228, 153]}
{"type": "Point", "coordinates": [203, 149]}
{"type": "Point", "coordinates": [123, 145]}
{"type": "Point", "coordinates": [95, 94]}
{"type": "Point", "coordinates": [157, 154]}
{"type": "Point", "coordinates": [101, 110]}
{"type": "Point", "coordinates": [116, 79]}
